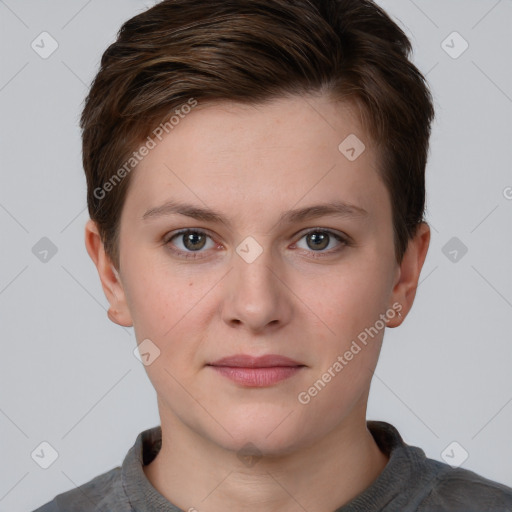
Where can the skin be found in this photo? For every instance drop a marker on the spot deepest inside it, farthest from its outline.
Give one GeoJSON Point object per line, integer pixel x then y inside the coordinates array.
{"type": "Point", "coordinates": [252, 163]}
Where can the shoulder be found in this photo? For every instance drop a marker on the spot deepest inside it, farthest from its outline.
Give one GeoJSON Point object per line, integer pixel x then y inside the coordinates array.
{"type": "Point", "coordinates": [102, 493]}
{"type": "Point", "coordinates": [413, 482]}
{"type": "Point", "coordinates": [114, 490]}
{"type": "Point", "coordinates": [458, 489]}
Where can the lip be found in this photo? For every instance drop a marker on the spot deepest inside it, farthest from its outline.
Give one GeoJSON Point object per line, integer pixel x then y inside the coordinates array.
{"type": "Point", "coordinates": [260, 371]}
{"type": "Point", "coordinates": [246, 361]}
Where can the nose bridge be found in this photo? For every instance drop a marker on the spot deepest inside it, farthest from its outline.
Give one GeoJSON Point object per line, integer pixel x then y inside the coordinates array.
{"type": "Point", "coordinates": [254, 268]}
{"type": "Point", "coordinates": [256, 294]}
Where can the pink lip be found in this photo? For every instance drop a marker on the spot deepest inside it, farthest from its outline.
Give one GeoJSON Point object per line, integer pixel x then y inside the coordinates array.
{"type": "Point", "coordinates": [256, 371]}
{"type": "Point", "coordinates": [267, 361]}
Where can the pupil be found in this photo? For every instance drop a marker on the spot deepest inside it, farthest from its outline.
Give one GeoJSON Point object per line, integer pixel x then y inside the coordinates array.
{"type": "Point", "coordinates": [322, 238]}
{"type": "Point", "coordinates": [191, 241]}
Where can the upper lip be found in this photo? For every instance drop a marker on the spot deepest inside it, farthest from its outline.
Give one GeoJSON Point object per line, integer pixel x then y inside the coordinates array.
{"type": "Point", "coordinates": [246, 361]}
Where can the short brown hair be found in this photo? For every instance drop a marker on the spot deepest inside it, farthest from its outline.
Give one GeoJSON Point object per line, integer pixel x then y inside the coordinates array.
{"type": "Point", "coordinates": [251, 51]}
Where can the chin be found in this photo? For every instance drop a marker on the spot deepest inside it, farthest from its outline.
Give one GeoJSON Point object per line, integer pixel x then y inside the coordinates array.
{"type": "Point", "coordinates": [270, 430]}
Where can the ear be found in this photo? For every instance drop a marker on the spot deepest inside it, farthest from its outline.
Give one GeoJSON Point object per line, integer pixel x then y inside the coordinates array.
{"type": "Point", "coordinates": [118, 311]}
{"type": "Point", "coordinates": [404, 289]}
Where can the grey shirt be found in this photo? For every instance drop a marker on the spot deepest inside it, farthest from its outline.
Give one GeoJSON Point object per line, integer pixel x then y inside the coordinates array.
{"type": "Point", "coordinates": [409, 482]}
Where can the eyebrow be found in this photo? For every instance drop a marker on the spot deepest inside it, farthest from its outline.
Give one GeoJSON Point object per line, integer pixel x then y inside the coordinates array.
{"type": "Point", "coordinates": [334, 208]}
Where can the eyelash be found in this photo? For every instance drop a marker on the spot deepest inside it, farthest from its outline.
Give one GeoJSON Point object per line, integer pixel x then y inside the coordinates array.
{"type": "Point", "coordinates": [345, 241]}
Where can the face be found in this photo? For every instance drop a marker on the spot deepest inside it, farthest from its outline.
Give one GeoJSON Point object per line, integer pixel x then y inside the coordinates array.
{"type": "Point", "coordinates": [255, 279]}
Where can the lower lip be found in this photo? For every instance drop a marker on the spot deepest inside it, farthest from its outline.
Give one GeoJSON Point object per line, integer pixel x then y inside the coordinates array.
{"type": "Point", "coordinates": [257, 377]}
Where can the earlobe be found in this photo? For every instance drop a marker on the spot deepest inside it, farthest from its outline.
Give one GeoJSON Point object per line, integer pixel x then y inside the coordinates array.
{"type": "Point", "coordinates": [404, 290]}
{"type": "Point", "coordinates": [118, 311]}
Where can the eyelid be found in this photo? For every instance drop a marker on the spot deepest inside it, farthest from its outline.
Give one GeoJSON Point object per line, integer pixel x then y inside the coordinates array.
{"type": "Point", "coordinates": [315, 229]}
{"type": "Point", "coordinates": [173, 234]}
{"type": "Point", "coordinates": [344, 240]}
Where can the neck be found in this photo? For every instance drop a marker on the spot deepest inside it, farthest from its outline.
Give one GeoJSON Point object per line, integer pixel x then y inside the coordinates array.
{"type": "Point", "coordinates": [194, 474]}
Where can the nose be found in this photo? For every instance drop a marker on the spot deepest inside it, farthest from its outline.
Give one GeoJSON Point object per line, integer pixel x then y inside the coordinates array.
{"type": "Point", "coordinates": [256, 295]}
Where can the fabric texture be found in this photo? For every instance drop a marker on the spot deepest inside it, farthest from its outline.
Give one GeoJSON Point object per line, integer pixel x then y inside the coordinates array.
{"type": "Point", "coordinates": [409, 482]}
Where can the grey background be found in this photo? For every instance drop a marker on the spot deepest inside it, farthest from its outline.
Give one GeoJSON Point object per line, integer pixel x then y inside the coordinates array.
{"type": "Point", "coordinates": [68, 375]}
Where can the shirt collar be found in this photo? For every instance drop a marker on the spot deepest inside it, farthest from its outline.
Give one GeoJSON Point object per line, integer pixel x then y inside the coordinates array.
{"type": "Point", "coordinates": [143, 497]}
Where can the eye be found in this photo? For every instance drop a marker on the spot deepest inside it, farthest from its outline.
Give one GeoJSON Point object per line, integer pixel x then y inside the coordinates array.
{"type": "Point", "coordinates": [317, 240]}
{"type": "Point", "coordinates": [190, 242]}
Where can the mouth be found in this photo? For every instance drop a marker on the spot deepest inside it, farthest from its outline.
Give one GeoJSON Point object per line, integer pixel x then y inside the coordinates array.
{"type": "Point", "coordinates": [260, 371]}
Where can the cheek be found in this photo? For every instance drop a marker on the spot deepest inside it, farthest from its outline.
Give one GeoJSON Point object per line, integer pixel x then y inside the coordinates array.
{"type": "Point", "coordinates": [355, 295]}
{"type": "Point", "coordinates": [148, 306]}
{"type": "Point", "coordinates": [169, 308]}
{"type": "Point", "coordinates": [350, 303]}
{"type": "Point", "coordinates": [151, 296]}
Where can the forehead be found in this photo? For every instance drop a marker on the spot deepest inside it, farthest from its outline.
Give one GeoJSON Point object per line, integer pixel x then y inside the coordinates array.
{"type": "Point", "coordinates": [229, 154]}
